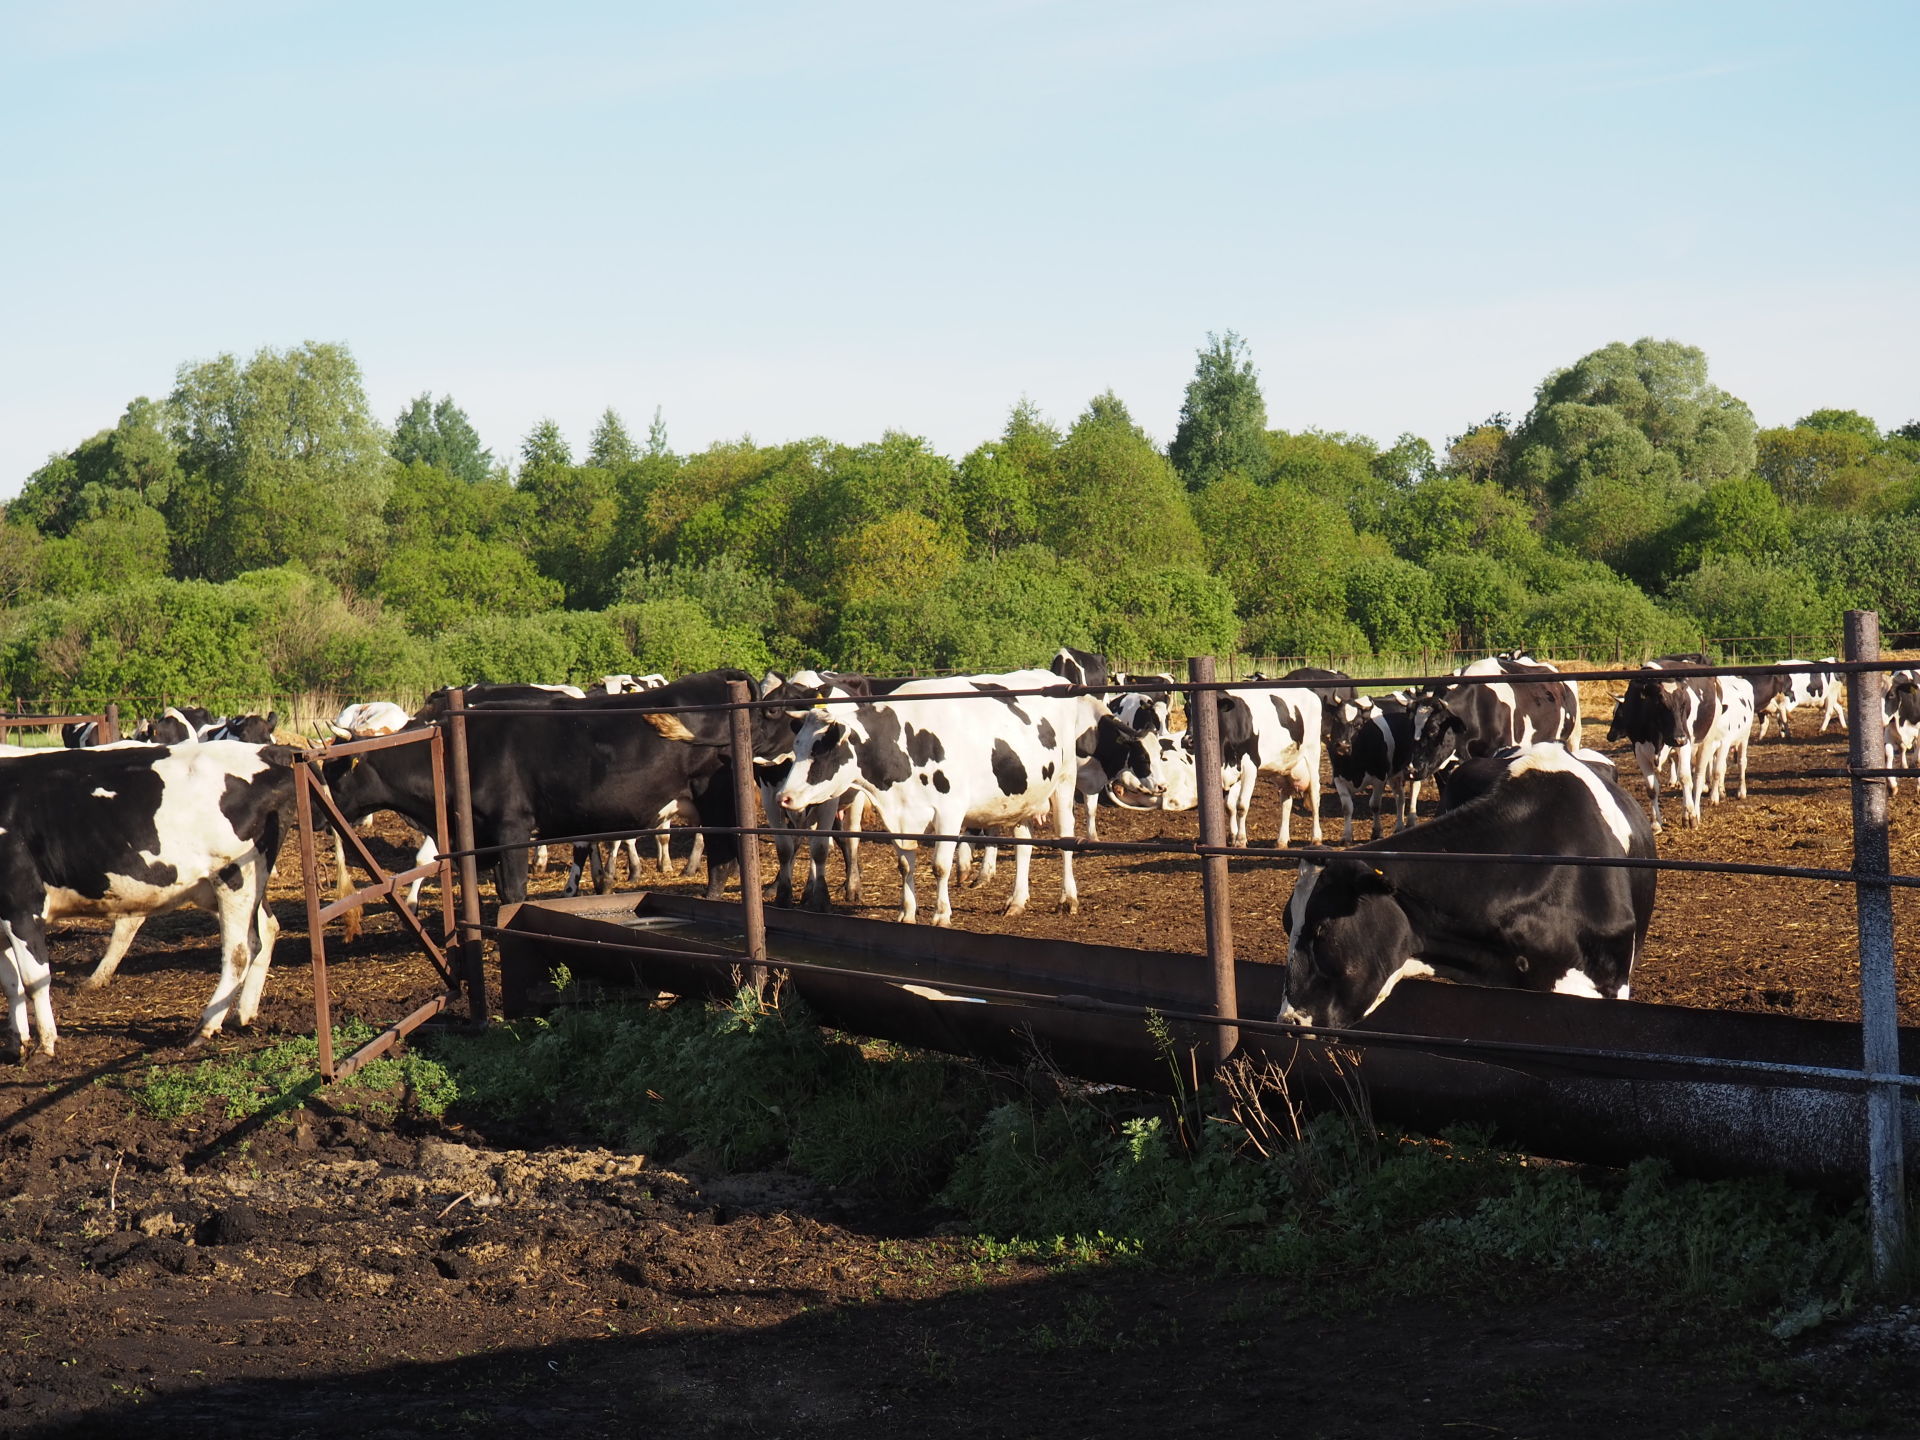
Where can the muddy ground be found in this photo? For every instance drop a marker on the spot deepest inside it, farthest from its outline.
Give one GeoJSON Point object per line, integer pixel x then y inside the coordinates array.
{"type": "Point", "coordinates": [349, 1273]}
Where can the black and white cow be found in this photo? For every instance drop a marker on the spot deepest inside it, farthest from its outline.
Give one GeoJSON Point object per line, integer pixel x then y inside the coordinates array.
{"type": "Point", "coordinates": [1149, 709]}
{"type": "Point", "coordinates": [1777, 696]}
{"type": "Point", "coordinates": [941, 766]}
{"type": "Point", "coordinates": [1686, 726]}
{"type": "Point", "coordinates": [834, 818]}
{"type": "Point", "coordinates": [1454, 720]}
{"type": "Point", "coordinates": [1274, 732]}
{"type": "Point", "coordinates": [81, 734]}
{"type": "Point", "coordinates": [1902, 712]}
{"type": "Point", "coordinates": [365, 721]}
{"type": "Point", "coordinates": [1830, 694]}
{"type": "Point", "coordinates": [1080, 667]}
{"type": "Point", "coordinates": [1370, 750]}
{"type": "Point", "coordinates": [1357, 925]}
{"type": "Point", "coordinates": [567, 766]}
{"type": "Point", "coordinates": [140, 830]}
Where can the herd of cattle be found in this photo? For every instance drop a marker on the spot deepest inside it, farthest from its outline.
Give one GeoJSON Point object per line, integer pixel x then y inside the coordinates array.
{"type": "Point", "coordinates": [191, 812]}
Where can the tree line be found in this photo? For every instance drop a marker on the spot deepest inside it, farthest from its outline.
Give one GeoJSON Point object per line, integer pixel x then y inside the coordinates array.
{"type": "Point", "coordinates": [259, 531]}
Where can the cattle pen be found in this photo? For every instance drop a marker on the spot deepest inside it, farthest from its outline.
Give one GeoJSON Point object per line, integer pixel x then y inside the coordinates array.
{"type": "Point", "coordinates": [1577, 1078]}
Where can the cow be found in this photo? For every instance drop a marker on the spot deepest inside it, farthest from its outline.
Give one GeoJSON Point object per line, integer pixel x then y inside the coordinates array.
{"type": "Point", "coordinates": [81, 734]}
{"type": "Point", "coordinates": [566, 766]}
{"type": "Point", "coordinates": [1452, 719]}
{"type": "Point", "coordinates": [1080, 667]}
{"type": "Point", "coordinates": [773, 737]}
{"type": "Point", "coordinates": [1686, 726]}
{"type": "Point", "coordinates": [625, 684]}
{"type": "Point", "coordinates": [177, 725]}
{"type": "Point", "coordinates": [1777, 696]}
{"type": "Point", "coordinates": [1732, 734]}
{"type": "Point", "coordinates": [1654, 721]}
{"type": "Point", "coordinates": [1358, 925]}
{"type": "Point", "coordinates": [1370, 750]}
{"type": "Point", "coordinates": [940, 766]}
{"type": "Point", "coordinates": [1902, 711]}
{"type": "Point", "coordinates": [1149, 709]}
{"type": "Point", "coordinates": [1274, 732]}
{"type": "Point", "coordinates": [140, 830]}
{"type": "Point", "coordinates": [1829, 690]}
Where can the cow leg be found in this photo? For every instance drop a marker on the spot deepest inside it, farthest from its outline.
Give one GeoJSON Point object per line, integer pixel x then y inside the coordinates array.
{"type": "Point", "coordinates": [1343, 787]}
{"type": "Point", "coordinates": [785, 846]}
{"type": "Point", "coordinates": [695, 856]}
{"type": "Point", "coordinates": [819, 846]}
{"type": "Point", "coordinates": [1022, 868]}
{"type": "Point", "coordinates": [1689, 796]}
{"type": "Point", "coordinates": [1093, 816]}
{"type": "Point", "coordinates": [1063, 827]}
{"type": "Point", "coordinates": [574, 867]}
{"type": "Point", "coordinates": [235, 901]}
{"type": "Point", "coordinates": [907, 852]}
{"type": "Point", "coordinates": [1647, 757]}
{"type": "Point", "coordinates": [1313, 800]}
{"type": "Point", "coordinates": [1375, 784]}
{"type": "Point", "coordinates": [850, 844]}
{"type": "Point", "coordinates": [125, 927]}
{"type": "Point", "coordinates": [264, 931]}
{"type": "Point", "coordinates": [28, 982]}
{"type": "Point", "coordinates": [942, 874]}
{"type": "Point", "coordinates": [540, 861]}
{"type": "Point", "coordinates": [425, 855]}
{"type": "Point", "coordinates": [1285, 837]}
{"type": "Point", "coordinates": [603, 858]}
{"type": "Point", "coordinates": [343, 887]}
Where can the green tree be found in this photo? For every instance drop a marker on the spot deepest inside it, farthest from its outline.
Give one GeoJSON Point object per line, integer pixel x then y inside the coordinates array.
{"type": "Point", "coordinates": [1157, 619]}
{"type": "Point", "coordinates": [1112, 501]}
{"type": "Point", "coordinates": [440, 434]}
{"type": "Point", "coordinates": [611, 446]}
{"type": "Point", "coordinates": [1341, 467]}
{"type": "Point", "coordinates": [280, 461]}
{"type": "Point", "coordinates": [575, 512]}
{"type": "Point", "coordinates": [1832, 469]}
{"type": "Point", "coordinates": [1479, 598]}
{"type": "Point", "coordinates": [1454, 514]}
{"type": "Point", "coordinates": [1741, 516]}
{"type": "Point", "coordinates": [1285, 553]}
{"type": "Point", "coordinates": [1481, 452]}
{"type": "Point", "coordinates": [545, 448]}
{"type": "Point", "coordinates": [132, 464]}
{"type": "Point", "coordinates": [1842, 422]}
{"type": "Point", "coordinates": [1408, 462]}
{"type": "Point", "coordinates": [442, 583]}
{"type": "Point", "coordinates": [1597, 615]}
{"type": "Point", "coordinates": [1223, 420]}
{"type": "Point", "coordinates": [125, 546]}
{"type": "Point", "coordinates": [1732, 595]}
{"type": "Point", "coordinates": [1396, 604]}
{"type": "Point", "coordinates": [1642, 415]}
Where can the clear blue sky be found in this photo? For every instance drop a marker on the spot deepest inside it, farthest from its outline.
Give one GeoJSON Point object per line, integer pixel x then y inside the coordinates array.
{"type": "Point", "coordinates": [835, 219]}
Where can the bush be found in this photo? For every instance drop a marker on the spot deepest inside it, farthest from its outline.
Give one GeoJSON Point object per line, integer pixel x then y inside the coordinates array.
{"type": "Point", "coordinates": [1598, 615]}
{"type": "Point", "coordinates": [1480, 598]}
{"type": "Point", "coordinates": [1396, 603]}
{"type": "Point", "coordinates": [1158, 619]}
{"type": "Point", "coordinates": [1734, 596]}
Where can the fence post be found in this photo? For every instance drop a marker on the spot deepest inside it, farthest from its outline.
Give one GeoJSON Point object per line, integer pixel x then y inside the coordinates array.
{"type": "Point", "coordinates": [473, 969]}
{"type": "Point", "coordinates": [746, 813]}
{"type": "Point", "coordinates": [316, 932]}
{"type": "Point", "coordinates": [1204, 717]}
{"type": "Point", "coordinates": [112, 727]}
{"type": "Point", "coordinates": [1873, 902]}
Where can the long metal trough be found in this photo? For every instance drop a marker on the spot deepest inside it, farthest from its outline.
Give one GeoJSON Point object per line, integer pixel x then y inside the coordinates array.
{"type": "Point", "coordinates": [1638, 1089]}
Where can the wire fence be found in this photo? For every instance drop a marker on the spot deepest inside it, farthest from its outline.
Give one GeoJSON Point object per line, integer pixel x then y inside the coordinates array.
{"type": "Point", "coordinates": [1863, 667]}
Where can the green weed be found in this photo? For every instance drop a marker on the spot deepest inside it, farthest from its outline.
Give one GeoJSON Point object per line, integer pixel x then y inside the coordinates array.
{"type": "Point", "coordinates": [282, 1077]}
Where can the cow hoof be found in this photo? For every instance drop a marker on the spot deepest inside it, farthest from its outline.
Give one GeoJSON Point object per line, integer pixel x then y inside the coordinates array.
{"type": "Point", "coordinates": [1015, 907]}
{"type": "Point", "coordinates": [1068, 907]}
{"type": "Point", "coordinates": [943, 922]}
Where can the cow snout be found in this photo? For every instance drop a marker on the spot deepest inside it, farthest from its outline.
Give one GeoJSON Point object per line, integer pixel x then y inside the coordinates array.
{"type": "Point", "coordinates": [788, 802]}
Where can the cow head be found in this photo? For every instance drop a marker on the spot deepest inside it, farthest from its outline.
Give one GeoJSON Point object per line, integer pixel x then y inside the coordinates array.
{"type": "Point", "coordinates": [1348, 943]}
{"type": "Point", "coordinates": [1130, 759]}
{"type": "Point", "coordinates": [1439, 736]}
{"type": "Point", "coordinates": [824, 763]}
{"type": "Point", "coordinates": [1348, 716]}
{"type": "Point", "coordinates": [1172, 761]}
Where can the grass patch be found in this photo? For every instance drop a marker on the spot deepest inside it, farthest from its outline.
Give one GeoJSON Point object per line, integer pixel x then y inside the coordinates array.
{"type": "Point", "coordinates": [281, 1078]}
{"type": "Point", "coordinates": [1055, 1174]}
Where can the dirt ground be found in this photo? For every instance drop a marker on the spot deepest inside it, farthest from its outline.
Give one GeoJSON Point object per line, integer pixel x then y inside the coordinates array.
{"type": "Point", "coordinates": [349, 1274]}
